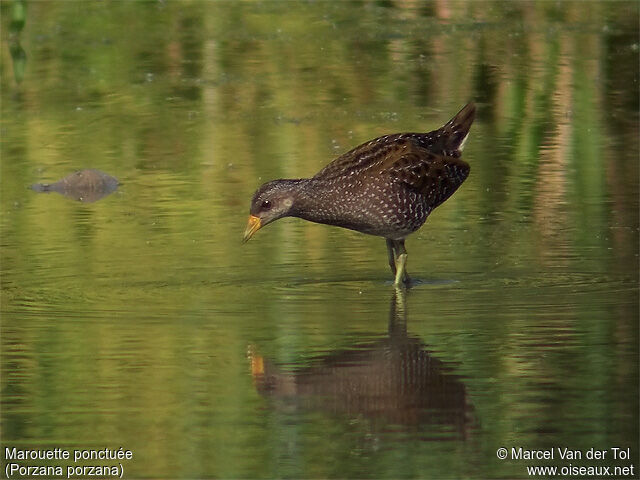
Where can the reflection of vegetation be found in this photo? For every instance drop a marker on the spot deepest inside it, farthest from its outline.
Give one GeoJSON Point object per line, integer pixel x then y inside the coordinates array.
{"type": "Point", "coordinates": [18, 55]}
{"type": "Point", "coordinates": [192, 104]}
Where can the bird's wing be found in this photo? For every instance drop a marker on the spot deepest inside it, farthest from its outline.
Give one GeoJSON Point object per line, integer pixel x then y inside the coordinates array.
{"type": "Point", "coordinates": [447, 141]}
{"type": "Point", "coordinates": [364, 158]}
{"type": "Point", "coordinates": [426, 173]}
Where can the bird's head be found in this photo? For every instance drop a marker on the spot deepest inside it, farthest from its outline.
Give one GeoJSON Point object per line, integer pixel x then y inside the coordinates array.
{"type": "Point", "coordinates": [272, 201]}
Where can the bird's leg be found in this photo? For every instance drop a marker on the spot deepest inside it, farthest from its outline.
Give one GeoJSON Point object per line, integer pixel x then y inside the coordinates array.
{"type": "Point", "coordinates": [405, 274]}
{"type": "Point", "coordinates": [402, 276]}
{"type": "Point", "coordinates": [401, 261]}
{"type": "Point", "coordinates": [392, 255]}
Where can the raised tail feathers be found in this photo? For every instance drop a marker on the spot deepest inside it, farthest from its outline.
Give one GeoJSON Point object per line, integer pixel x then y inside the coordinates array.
{"type": "Point", "coordinates": [452, 136]}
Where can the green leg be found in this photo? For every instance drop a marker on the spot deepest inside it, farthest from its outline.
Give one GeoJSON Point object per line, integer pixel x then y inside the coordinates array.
{"type": "Point", "coordinates": [400, 254]}
{"type": "Point", "coordinates": [392, 256]}
{"type": "Point", "coordinates": [402, 260]}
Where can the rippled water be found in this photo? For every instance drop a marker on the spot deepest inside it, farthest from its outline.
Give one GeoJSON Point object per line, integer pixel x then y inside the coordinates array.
{"type": "Point", "coordinates": [140, 320]}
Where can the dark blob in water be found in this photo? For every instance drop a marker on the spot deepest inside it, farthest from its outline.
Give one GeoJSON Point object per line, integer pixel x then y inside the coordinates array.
{"type": "Point", "coordinates": [85, 185]}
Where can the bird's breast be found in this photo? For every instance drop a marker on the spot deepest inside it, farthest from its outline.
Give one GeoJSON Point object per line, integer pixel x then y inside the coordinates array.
{"type": "Point", "coordinates": [368, 205]}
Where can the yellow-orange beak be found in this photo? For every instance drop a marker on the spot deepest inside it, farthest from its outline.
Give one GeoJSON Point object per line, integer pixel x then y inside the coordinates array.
{"type": "Point", "coordinates": [252, 227]}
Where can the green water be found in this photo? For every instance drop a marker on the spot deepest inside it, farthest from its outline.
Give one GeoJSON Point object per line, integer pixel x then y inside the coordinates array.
{"type": "Point", "coordinates": [141, 321]}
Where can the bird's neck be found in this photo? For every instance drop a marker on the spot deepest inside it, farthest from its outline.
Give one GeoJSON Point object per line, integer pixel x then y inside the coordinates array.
{"type": "Point", "coordinates": [313, 203]}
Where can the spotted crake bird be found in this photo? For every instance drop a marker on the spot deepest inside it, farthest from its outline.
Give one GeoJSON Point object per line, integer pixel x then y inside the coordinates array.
{"type": "Point", "coordinates": [385, 187]}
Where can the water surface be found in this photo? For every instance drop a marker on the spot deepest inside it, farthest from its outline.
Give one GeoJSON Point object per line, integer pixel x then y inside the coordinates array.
{"type": "Point", "coordinates": [140, 320]}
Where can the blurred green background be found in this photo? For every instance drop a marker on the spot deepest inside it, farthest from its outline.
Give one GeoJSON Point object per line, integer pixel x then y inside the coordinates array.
{"type": "Point", "coordinates": [141, 321]}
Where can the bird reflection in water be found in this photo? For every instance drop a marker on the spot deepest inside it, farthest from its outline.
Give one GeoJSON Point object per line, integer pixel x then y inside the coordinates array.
{"type": "Point", "coordinates": [86, 186]}
{"type": "Point", "coordinates": [394, 382]}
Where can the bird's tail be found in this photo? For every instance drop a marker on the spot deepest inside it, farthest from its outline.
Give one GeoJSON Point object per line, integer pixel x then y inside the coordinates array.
{"type": "Point", "coordinates": [451, 137]}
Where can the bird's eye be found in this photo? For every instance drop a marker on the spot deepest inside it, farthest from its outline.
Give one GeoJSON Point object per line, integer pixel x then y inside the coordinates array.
{"type": "Point", "coordinates": [266, 205]}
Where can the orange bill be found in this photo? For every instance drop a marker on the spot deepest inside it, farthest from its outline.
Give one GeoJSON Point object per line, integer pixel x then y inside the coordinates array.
{"type": "Point", "coordinates": [252, 227]}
